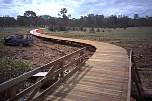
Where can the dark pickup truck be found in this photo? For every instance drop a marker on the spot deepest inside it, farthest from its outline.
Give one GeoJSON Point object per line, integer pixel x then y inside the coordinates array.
{"type": "Point", "coordinates": [18, 40]}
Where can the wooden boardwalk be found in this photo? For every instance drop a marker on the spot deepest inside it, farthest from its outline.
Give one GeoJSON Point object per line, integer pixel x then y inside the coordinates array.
{"type": "Point", "coordinates": [103, 78]}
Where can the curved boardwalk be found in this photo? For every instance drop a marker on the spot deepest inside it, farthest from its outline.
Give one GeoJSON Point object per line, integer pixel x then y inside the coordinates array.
{"type": "Point", "coordinates": [103, 78]}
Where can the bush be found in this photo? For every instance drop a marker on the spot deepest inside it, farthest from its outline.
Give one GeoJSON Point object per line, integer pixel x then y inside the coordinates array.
{"type": "Point", "coordinates": [84, 29]}
{"type": "Point", "coordinates": [92, 30]}
{"type": "Point", "coordinates": [73, 29]}
{"type": "Point", "coordinates": [98, 30]}
{"type": "Point", "coordinates": [81, 28]}
{"type": "Point", "coordinates": [10, 68]}
{"type": "Point", "coordinates": [51, 28]}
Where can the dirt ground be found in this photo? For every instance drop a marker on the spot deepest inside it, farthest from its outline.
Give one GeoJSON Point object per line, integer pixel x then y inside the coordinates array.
{"type": "Point", "coordinates": [39, 53]}
{"type": "Point", "coordinates": [143, 58]}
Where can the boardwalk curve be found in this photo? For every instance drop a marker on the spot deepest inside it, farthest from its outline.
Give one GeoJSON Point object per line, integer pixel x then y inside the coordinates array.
{"type": "Point", "coordinates": [103, 78]}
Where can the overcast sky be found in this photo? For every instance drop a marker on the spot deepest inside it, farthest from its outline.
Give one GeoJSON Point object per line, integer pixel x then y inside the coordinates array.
{"type": "Point", "coordinates": [77, 8]}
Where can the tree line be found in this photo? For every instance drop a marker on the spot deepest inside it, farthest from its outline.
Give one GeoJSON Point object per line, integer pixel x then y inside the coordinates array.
{"type": "Point", "coordinates": [65, 22]}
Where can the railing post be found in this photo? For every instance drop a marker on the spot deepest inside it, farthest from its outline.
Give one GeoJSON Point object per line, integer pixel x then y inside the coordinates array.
{"type": "Point", "coordinates": [61, 66]}
{"type": "Point", "coordinates": [81, 60]}
{"type": "Point", "coordinates": [12, 92]}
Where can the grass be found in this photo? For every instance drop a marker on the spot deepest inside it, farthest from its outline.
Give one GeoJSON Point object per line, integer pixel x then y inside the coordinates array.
{"type": "Point", "coordinates": [9, 67]}
{"type": "Point", "coordinates": [129, 38]}
{"type": "Point", "coordinates": [137, 38]}
{"type": "Point", "coordinates": [142, 33]}
{"type": "Point", "coordinates": [4, 31]}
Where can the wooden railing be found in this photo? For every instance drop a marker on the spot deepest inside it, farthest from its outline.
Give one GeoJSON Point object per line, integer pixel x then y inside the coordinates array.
{"type": "Point", "coordinates": [129, 77]}
{"type": "Point", "coordinates": [55, 73]}
{"type": "Point", "coordinates": [136, 87]}
{"type": "Point", "coordinates": [58, 71]}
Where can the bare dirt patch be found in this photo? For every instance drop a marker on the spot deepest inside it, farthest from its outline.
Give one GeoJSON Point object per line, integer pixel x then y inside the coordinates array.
{"type": "Point", "coordinates": [38, 53]}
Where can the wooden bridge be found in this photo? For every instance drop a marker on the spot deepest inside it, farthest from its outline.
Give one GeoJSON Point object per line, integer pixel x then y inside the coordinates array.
{"type": "Point", "coordinates": [97, 72]}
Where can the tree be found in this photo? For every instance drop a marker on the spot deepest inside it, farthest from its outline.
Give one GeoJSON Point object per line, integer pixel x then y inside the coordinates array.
{"type": "Point", "coordinates": [22, 21]}
{"type": "Point", "coordinates": [136, 16]}
{"type": "Point", "coordinates": [7, 21]}
{"type": "Point", "coordinates": [29, 14]}
{"type": "Point", "coordinates": [64, 21]}
{"type": "Point", "coordinates": [31, 17]}
{"type": "Point", "coordinates": [63, 12]}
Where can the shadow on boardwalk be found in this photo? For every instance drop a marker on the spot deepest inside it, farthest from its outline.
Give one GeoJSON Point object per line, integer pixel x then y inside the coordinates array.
{"type": "Point", "coordinates": [66, 88]}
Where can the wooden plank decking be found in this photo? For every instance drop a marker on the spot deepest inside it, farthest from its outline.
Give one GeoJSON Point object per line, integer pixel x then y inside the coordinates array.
{"type": "Point", "coordinates": [103, 78]}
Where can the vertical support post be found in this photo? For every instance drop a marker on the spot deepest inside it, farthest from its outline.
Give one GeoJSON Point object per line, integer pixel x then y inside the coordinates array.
{"type": "Point", "coordinates": [12, 92]}
{"type": "Point", "coordinates": [81, 60]}
{"type": "Point", "coordinates": [61, 66]}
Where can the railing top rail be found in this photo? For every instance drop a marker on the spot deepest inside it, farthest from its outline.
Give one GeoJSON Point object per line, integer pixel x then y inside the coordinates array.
{"type": "Point", "coordinates": [129, 76]}
{"type": "Point", "coordinates": [14, 81]}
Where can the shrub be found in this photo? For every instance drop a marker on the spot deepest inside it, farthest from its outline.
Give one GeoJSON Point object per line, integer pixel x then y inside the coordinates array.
{"type": "Point", "coordinates": [81, 28]}
{"type": "Point", "coordinates": [92, 30]}
{"type": "Point", "coordinates": [10, 68]}
{"type": "Point", "coordinates": [98, 30]}
{"type": "Point", "coordinates": [51, 28]}
{"type": "Point", "coordinates": [84, 29]}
